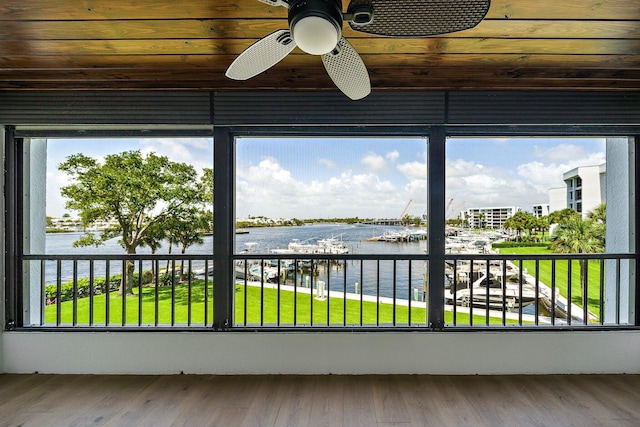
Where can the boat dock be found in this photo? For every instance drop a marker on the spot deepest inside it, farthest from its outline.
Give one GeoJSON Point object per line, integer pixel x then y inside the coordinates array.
{"type": "Point", "coordinates": [401, 236]}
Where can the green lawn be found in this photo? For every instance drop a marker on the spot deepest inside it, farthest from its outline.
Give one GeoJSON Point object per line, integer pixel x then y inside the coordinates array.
{"type": "Point", "coordinates": [180, 311]}
{"type": "Point", "coordinates": [255, 299]}
{"type": "Point", "coordinates": [562, 276]}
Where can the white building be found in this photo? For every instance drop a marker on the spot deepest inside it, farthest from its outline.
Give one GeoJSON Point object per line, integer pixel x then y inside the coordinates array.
{"type": "Point", "coordinates": [490, 217]}
{"type": "Point", "coordinates": [541, 209]}
{"type": "Point", "coordinates": [557, 198]}
{"type": "Point", "coordinates": [586, 187]}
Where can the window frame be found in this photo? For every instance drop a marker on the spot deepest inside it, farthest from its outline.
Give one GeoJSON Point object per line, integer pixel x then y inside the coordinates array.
{"type": "Point", "coordinates": [224, 179]}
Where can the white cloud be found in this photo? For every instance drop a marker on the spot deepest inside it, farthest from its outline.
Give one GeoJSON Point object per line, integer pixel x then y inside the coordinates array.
{"type": "Point", "coordinates": [521, 185]}
{"type": "Point", "coordinates": [54, 202]}
{"type": "Point", "coordinates": [573, 154]}
{"type": "Point", "coordinates": [328, 163]}
{"type": "Point", "coordinates": [184, 150]}
{"type": "Point", "coordinates": [479, 186]}
{"type": "Point", "coordinates": [269, 189]}
{"type": "Point", "coordinates": [461, 168]}
{"type": "Point", "coordinates": [414, 170]}
{"type": "Point", "coordinates": [547, 173]}
{"type": "Point", "coordinates": [392, 155]}
{"type": "Point", "coordinates": [374, 162]}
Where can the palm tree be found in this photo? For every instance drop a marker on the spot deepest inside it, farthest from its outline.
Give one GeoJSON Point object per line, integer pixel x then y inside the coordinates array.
{"type": "Point", "coordinates": [599, 218]}
{"type": "Point", "coordinates": [521, 221]}
{"type": "Point", "coordinates": [577, 236]}
{"type": "Point", "coordinates": [599, 213]}
{"type": "Point", "coordinates": [558, 217]}
{"type": "Point", "coordinates": [543, 225]}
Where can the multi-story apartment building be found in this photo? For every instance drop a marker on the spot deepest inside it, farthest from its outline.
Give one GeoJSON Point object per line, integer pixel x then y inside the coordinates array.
{"type": "Point", "coordinates": [541, 209]}
{"type": "Point", "coordinates": [585, 186]}
{"type": "Point", "coordinates": [490, 217]}
{"type": "Point", "coordinates": [585, 189]}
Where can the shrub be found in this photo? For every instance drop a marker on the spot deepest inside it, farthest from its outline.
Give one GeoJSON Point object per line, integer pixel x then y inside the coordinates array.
{"type": "Point", "coordinates": [99, 286]}
{"type": "Point", "coordinates": [165, 279]}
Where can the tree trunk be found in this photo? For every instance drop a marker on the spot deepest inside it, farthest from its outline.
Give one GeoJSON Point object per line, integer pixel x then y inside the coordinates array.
{"type": "Point", "coordinates": [170, 250]}
{"type": "Point", "coordinates": [154, 270]}
{"type": "Point", "coordinates": [183, 275]}
{"type": "Point", "coordinates": [126, 284]}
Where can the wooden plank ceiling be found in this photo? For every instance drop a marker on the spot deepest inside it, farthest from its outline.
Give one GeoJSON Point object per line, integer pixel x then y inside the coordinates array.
{"type": "Point", "coordinates": [188, 44]}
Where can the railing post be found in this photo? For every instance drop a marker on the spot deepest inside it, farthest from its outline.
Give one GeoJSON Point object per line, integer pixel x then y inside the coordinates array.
{"type": "Point", "coordinates": [223, 229]}
{"type": "Point", "coordinates": [436, 224]}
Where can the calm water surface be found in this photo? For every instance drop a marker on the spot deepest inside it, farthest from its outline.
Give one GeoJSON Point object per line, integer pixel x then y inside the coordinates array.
{"type": "Point", "coordinates": [371, 276]}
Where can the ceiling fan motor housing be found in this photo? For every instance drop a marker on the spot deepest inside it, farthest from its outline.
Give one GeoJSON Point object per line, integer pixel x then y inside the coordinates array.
{"type": "Point", "coordinates": [316, 25]}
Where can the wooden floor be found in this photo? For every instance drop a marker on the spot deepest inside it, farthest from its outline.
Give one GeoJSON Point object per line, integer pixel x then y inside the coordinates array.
{"type": "Point", "coordinates": [184, 400]}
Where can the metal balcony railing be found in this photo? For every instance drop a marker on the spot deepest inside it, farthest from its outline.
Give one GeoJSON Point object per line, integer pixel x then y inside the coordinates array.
{"type": "Point", "coordinates": [87, 291]}
{"type": "Point", "coordinates": [332, 292]}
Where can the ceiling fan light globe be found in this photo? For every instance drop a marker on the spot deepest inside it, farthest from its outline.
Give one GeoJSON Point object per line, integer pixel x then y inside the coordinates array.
{"type": "Point", "coordinates": [315, 35]}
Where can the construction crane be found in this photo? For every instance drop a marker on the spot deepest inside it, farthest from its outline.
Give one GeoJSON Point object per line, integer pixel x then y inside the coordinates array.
{"type": "Point", "coordinates": [448, 205]}
{"type": "Point", "coordinates": [406, 208]}
{"type": "Point", "coordinates": [410, 210]}
{"type": "Point", "coordinates": [455, 210]}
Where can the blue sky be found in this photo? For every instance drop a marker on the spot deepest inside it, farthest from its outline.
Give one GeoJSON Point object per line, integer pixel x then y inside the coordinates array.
{"type": "Point", "coordinates": [369, 177]}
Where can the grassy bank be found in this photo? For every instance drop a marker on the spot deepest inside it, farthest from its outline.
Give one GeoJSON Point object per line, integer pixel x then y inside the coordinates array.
{"type": "Point", "coordinates": [562, 276]}
{"type": "Point", "coordinates": [256, 298]}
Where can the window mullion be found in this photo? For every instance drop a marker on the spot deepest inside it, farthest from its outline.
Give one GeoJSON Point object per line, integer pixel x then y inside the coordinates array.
{"type": "Point", "coordinates": [436, 224]}
{"type": "Point", "coordinates": [223, 229]}
{"type": "Point", "coordinates": [13, 240]}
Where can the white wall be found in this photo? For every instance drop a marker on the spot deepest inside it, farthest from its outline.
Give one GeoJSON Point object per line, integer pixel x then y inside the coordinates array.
{"type": "Point", "coordinates": [322, 353]}
{"type": "Point", "coordinates": [620, 228]}
{"type": "Point", "coordinates": [35, 196]}
{"type": "Point", "coordinates": [557, 198]}
{"type": "Point", "coordinates": [591, 191]}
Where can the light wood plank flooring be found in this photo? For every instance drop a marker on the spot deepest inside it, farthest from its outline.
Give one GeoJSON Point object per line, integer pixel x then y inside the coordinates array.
{"type": "Point", "coordinates": [185, 400]}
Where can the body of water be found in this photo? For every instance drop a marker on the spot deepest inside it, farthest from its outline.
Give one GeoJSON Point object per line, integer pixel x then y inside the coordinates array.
{"type": "Point", "coordinates": [370, 277]}
{"type": "Point", "coordinates": [262, 240]}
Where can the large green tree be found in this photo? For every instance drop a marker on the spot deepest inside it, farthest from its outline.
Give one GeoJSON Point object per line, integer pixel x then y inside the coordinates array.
{"type": "Point", "coordinates": [542, 224]}
{"type": "Point", "coordinates": [135, 191]}
{"type": "Point", "coordinates": [187, 227]}
{"type": "Point", "coordinates": [558, 217]}
{"type": "Point", "coordinates": [408, 220]}
{"type": "Point", "coordinates": [206, 186]}
{"type": "Point", "coordinates": [521, 221]}
{"type": "Point", "coordinates": [152, 239]}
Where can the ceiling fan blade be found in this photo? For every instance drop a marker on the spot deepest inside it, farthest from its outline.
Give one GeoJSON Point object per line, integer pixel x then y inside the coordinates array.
{"type": "Point", "coordinates": [262, 55]}
{"type": "Point", "coordinates": [346, 69]}
{"type": "Point", "coordinates": [420, 18]}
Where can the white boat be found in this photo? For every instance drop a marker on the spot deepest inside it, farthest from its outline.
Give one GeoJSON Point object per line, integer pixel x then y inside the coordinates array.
{"type": "Point", "coordinates": [491, 291]}
{"type": "Point", "coordinates": [253, 271]}
{"type": "Point", "coordinates": [332, 245]}
{"type": "Point", "coordinates": [406, 235]}
{"type": "Point", "coordinates": [329, 246]}
{"type": "Point", "coordinates": [202, 272]}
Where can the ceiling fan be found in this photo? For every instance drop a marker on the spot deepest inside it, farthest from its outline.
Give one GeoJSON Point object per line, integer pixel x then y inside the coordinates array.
{"type": "Point", "coordinates": [315, 26]}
